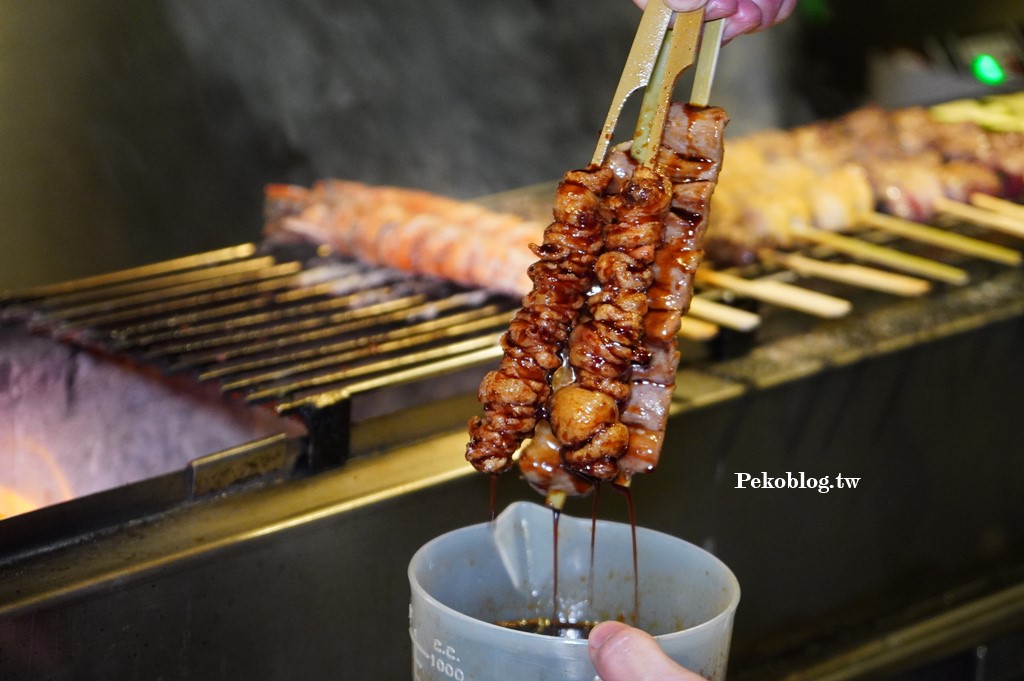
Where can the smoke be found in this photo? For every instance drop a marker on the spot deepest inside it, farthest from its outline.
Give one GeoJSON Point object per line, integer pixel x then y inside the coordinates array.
{"type": "Point", "coordinates": [457, 96]}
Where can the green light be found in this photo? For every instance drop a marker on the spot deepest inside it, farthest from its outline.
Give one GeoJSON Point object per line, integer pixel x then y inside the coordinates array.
{"type": "Point", "coordinates": [815, 11]}
{"type": "Point", "coordinates": [988, 70]}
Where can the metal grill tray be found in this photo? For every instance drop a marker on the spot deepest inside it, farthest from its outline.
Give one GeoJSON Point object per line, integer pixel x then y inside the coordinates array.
{"type": "Point", "coordinates": [326, 339]}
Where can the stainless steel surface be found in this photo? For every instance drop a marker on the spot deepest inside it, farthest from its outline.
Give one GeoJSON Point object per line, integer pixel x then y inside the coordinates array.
{"type": "Point", "coordinates": [958, 626]}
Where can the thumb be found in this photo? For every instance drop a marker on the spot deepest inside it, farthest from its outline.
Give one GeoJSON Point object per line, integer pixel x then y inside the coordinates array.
{"type": "Point", "coordinates": [685, 5]}
{"type": "Point", "coordinates": [622, 653]}
{"type": "Point", "coordinates": [677, 5]}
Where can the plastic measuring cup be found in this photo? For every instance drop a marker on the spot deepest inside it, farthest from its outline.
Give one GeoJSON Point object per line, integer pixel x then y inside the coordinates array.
{"type": "Point", "coordinates": [464, 581]}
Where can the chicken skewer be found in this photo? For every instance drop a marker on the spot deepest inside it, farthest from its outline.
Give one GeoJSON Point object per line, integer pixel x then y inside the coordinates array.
{"type": "Point", "coordinates": [611, 342]}
{"type": "Point", "coordinates": [515, 395]}
{"type": "Point", "coordinates": [612, 338]}
{"type": "Point", "coordinates": [911, 164]}
{"type": "Point", "coordinates": [606, 343]}
{"type": "Point", "coordinates": [757, 216]}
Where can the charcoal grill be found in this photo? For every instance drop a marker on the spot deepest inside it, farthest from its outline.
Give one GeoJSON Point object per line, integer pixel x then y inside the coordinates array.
{"type": "Point", "coordinates": [314, 338]}
{"type": "Point", "coordinates": [284, 556]}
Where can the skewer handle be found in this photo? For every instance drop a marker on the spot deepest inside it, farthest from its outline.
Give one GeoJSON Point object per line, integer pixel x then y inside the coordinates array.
{"type": "Point", "coordinates": [677, 54]}
{"type": "Point", "coordinates": [697, 329]}
{"type": "Point", "coordinates": [982, 218]}
{"type": "Point", "coordinates": [997, 205]}
{"type": "Point", "coordinates": [949, 241]}
{"type": "Point", "coordinates": [881, 255]}
{"type": "Point", "coordinates": [778, 293]}
{"type": "Point", "coordinates": [637, 72]}
{"type": "Point", "coordinates": [723, 315]}
{"type": "Point", "coordinates": [854, 275]}
{"type": "Point", "coordinates": [707, 60]}
{"type": "Point", "coordinates": [555, 499]}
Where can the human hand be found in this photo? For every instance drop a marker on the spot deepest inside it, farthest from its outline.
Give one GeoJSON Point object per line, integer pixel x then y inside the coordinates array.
{"type": "Point", "coordinates": [620, 652]}
{"type": "Point", "coordinates": [741, 16]}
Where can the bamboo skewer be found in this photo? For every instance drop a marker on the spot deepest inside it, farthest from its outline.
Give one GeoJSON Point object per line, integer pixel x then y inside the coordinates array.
{"type": "Point", "coordinates": [555, 499]}
{"type": "Point", "coordinates": [697, 329]}
{"type": "Point", "coordinates": [852, 274]}
{"type": "Point", "coordinates": [778, 293]}
{"type": "Point", "coordinates": [997, 205]}
{"type": "Point", "coordinates": [723, 315]}
{"type": "Point", "coordinates": [943, 239]}
{"type": "Point", "coordinates": [884, 256]}
{"type": "Point", "coordinates": [707, 61]}
{"type": "Point", "coordinates": [981, 217]}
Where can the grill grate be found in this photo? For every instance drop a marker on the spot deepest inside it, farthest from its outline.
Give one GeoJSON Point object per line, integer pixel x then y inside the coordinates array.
{"type": "Point", "coordinates": [333, 341]}
{"type": "Point", "coordinates": [284, 325]}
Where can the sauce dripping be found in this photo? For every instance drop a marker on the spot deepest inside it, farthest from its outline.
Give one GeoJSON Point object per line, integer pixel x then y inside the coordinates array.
{"type": "Point", "coordinates": [554, 625]}
{"type": "Point", "coordinates": [593, 539]}
{"type": "Point", "coordinates": [556, 515]}
{"type": "Point", "coordinates": [625, 491]}
{"type": "Point", "coordinates": [494, 495]}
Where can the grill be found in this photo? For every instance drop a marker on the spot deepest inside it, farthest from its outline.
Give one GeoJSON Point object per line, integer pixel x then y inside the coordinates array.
{"type": "Point", "coordinates": [377, 370]}
{"type": "Point", "coordinates": [318, 339]}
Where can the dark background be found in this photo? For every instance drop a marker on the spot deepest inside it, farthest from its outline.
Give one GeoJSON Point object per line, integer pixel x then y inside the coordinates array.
{"type": "Point", "coordinates": [132, 132]}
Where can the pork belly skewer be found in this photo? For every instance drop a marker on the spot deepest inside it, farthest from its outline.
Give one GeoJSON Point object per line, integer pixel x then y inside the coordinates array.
{"type": "Point", "coordinates": [691, 158]}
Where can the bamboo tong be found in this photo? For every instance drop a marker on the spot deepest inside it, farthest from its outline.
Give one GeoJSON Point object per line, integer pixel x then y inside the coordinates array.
{"type": "Point", "coordinates": [659, 54]}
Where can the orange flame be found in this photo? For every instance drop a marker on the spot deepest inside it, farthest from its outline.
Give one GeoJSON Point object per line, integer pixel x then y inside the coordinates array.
{"type": "Point", "coordinates": [12, 503]}
{"type": "Point", "coordinates": [48, 485]}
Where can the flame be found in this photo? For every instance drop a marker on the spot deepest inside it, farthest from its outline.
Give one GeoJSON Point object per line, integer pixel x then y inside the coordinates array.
{"type": "Point", "coordinates": [45, 484]}
{"type": "Point", "coordinates": [12, 503]}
